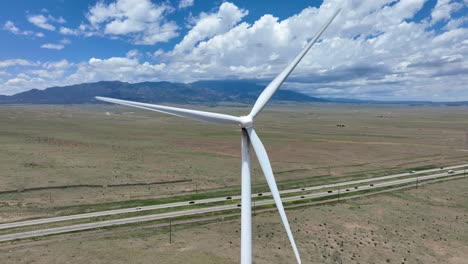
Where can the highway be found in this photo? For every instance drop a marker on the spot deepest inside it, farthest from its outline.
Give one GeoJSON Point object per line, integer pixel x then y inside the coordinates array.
{"type": "Point", "coordinates": [209, 200]}
{"type": "Point", "coordinates": [129, 220]}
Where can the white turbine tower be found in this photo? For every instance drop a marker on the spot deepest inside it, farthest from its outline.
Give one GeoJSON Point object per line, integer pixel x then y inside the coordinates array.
{"type": "Point", "coordinates": [249, 137]}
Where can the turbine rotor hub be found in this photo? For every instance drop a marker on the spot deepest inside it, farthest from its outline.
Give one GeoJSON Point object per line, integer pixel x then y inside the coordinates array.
{"type": "Point", "coordinates": [246, 121]}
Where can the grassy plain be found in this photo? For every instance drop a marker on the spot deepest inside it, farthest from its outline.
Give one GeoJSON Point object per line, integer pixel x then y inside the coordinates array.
{"type": "Point", "coordinates": [424, 225]}
{"type": "Point", "coordinates": [49, 146]}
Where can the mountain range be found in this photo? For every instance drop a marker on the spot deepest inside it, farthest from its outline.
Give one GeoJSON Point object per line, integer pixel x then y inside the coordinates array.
{"type": "Point", "coordinates": [206, 92]}
{"type": "Point", "coordinates": [201, 92]}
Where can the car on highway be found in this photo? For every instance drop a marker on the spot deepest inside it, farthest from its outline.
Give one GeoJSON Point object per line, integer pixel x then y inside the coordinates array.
{"type": "Point", "coordinates": [450, 171]}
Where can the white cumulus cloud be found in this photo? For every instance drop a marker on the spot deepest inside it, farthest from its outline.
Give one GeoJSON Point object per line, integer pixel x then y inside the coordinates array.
{"type": "Point", "coordinates": [185, 3]}
{"type": "Point", "coordinates": [68, 31]}
{"type": "Point", "coordinates": [41, 21]}
{"type": "Point", "coordinates": [36, 75]}
{"type": "Point", "coordinates": [373, 50]}
{"type": "Point", "coordinates": [56, 46]}
{"type": "Point", "coordinates": [52, 70]}
{"type": "Point", "coordinates": [53, 46]}
{"type": "Point", "coordinates": [11, 27]}
{"type": "Point", "coordinates": [116, 68]}
{"type": "Point", "coordinates": [141, 21]}
{"type": "Point", "coordinates": [16, 62]}
{"type": "Point", "coordinates": [369, 51]}
{"type": "Point", "coordinates": [209, 25]}
{"type": "Point", "coordinates": [444, 9]}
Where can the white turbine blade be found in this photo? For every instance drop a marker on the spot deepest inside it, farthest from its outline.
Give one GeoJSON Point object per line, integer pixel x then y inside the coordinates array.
{"type": "Point", "coordinates": [266, 167]}
{"type": "Point", "coordinates": [181, 112]}
{"type": "Point", "coordinates": [266, 95]}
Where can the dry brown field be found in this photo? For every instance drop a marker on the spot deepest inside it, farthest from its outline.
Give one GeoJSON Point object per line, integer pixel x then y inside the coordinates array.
{"type": "Point", "coordinates": [50, 146]}
{"type": "Point", "coordinates": [424, 225]}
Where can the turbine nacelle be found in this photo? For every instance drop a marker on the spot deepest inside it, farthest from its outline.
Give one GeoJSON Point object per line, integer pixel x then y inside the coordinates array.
{"type": "Point", "coordinates": [245, 121]}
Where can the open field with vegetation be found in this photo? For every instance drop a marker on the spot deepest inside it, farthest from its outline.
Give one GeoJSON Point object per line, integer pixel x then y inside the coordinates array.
{"type": "Point", "coordinates": [71, 156]}
{"type": "Point", "coordinates": [423, 225]}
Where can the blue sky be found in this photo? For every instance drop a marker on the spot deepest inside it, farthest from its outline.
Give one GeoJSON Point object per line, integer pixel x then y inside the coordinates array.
{"type": "Point", "coordinates": [75, 12]}
{"type": "Point", "coordinates": [382, 49]}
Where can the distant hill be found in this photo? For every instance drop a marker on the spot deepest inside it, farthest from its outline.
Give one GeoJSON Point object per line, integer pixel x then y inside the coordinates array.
{"type": "Point", "coordinates": [201, 92]}
{"type": "Point", "coordinates": [157, 92]}
{"type": "Point", "coordinates": [410, 103]}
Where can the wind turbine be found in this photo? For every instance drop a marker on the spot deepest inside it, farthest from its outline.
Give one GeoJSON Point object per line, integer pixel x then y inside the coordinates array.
{"type": "Point", "coordinates": [249, 137]}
